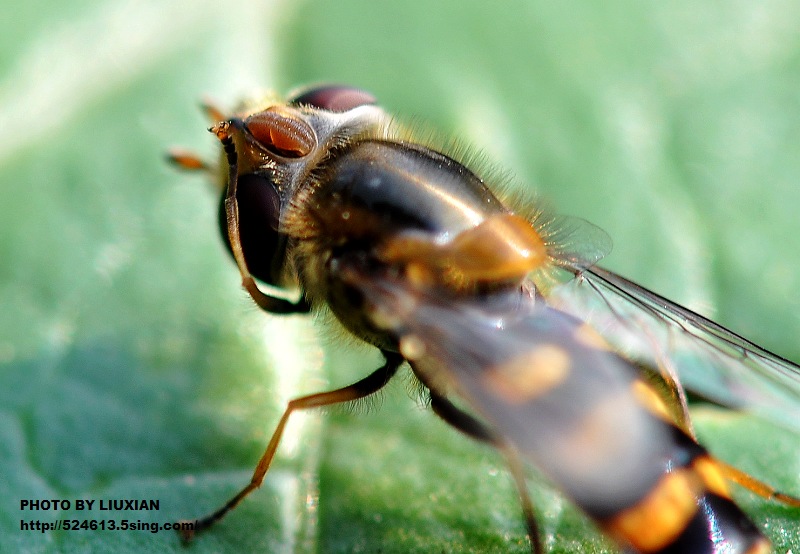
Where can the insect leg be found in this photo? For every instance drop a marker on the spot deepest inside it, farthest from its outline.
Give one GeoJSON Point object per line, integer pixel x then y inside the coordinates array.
{"type": "Point", "coordinates": [187, 161]}
{"type": "Point", "coordinates": [461, 420]}
{"type": "Point", "coordinates": [212, 112]}
{"type": "Point", "coordinates": [754, 485]}
{"type": "Point", "coordinates": [518, 474]}
{"type": "Point", "coordinates": [472, 427]}
{"type": "Point", "coordinates": [360, 389]}
{"type": "Point", "coordinates": [266, 302]}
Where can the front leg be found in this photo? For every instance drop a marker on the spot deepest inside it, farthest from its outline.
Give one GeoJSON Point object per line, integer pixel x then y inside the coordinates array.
{"type": "Point", "coordinates": [360, 389]}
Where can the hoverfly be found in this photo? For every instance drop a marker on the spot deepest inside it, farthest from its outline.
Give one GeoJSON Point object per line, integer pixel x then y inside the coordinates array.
{"type": "Point", "coordinates": [519, 339]}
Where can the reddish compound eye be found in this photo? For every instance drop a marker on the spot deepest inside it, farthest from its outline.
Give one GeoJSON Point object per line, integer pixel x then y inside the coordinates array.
{"type": "Point", "coordinates": [284, 135]}
{"type": "Point", "coordinates": [335, 98]}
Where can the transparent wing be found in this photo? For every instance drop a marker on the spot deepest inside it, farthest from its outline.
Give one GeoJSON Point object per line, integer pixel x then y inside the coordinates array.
{"type": "Point", "coordinates": [539, 377]}
{"type": "Point", "coordinates": [573, 241]}
{"type": "Point", "coordinates": [708, 359]}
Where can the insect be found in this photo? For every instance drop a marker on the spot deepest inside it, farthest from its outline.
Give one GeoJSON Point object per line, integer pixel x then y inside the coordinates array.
{"type": "Point", "coordinates": [502, 314]}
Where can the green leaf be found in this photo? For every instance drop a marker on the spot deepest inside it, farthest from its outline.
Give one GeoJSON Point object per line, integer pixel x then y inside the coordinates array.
{"type": "Point", "coordinates": [133, 366]}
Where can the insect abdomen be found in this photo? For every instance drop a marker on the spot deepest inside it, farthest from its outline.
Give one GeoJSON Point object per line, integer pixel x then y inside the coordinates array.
{"type": "Point", "coordinates": [571, 406]}
{"type": "Point", "coordinates": [687, 510]}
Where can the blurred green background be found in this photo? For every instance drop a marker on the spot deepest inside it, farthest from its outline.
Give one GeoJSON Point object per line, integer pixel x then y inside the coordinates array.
{"type": "Point", "coordinates": [133, 366]}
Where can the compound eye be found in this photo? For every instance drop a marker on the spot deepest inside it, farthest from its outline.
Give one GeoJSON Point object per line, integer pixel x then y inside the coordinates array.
{"type": "Point", "coordinates": [334, 98]}
{"type": "Point", "coordinates": [282, 134]}
{"type": "Point", "coordinates": [259, 217]}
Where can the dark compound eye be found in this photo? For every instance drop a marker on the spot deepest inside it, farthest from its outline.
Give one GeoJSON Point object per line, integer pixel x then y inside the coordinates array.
{"type": "Point", "coordinates": [259, 217]}
{"type": "Point", "coordinates": [335, 98]}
